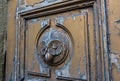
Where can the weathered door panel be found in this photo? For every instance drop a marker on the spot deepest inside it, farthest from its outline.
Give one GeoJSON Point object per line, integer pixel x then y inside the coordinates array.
{"type": "Point", "coordinates": [114, 29]}
{"type": "Point", "coordinates": [59, 40]}
{"type": "Point", "coordinates": [80, 36]}
{"type": "Point", "coordinates": [57, 43]}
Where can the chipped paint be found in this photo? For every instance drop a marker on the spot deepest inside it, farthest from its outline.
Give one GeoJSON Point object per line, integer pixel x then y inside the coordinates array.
{"type": "Point", "coordinates": [115, 60]}
{"type": "Point", "coordinates": [45, 22]}
{"type": "Point", "coordinates": [37, 80]}
{"type": "Point", "coordinates": [59, 20]}
{"type": "Point", "coordinates": [65, 71]}
{"type": "Point", "coordinates": [117, 26]}
{"type": "Point", "coordinates": [25, 7]}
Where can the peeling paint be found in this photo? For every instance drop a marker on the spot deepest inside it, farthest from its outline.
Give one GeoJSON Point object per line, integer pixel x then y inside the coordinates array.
{"type": "Point", "coordinates": [77, 22]}
{"type": "Point", "coordinates": [115, 60]}
{"type": "Point", "coordinates": [64, 71]}
{"type": "Point", "coordinates": [45, 22]}
{"type": "Point", "coordinates": [59, 20]}
{"type": "Point", "coordinates": [37, 80]}
{"type": "Point", "coordinates": [25, 7]}
{"type": "Point", "coordinates": [117, 26]}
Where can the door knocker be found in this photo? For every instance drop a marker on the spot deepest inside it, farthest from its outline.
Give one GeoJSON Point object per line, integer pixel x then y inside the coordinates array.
{"type": "Point", "coordinates": [53, 45]}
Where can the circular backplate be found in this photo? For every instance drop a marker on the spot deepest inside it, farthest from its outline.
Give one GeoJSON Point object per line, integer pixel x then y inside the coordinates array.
{"type": "Point", "coordinates": [53, 45]}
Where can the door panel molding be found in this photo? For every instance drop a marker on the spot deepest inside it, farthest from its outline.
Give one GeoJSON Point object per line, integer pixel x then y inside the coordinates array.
{"type": "Point", "coordinates": [69, 79]}
{"type": "Point", "coordinates": [56, 8]}
{"type": "Point", "coordinates": [47, 75]}
{"type": "Point", "coordinates": [24, 16]}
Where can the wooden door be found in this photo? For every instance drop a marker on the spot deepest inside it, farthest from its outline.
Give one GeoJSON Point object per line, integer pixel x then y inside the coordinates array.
{"type": "Point", "coordinates": [59, 42]}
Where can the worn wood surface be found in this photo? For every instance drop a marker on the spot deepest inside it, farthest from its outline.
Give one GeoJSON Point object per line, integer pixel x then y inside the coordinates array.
{"type": "Point", "coordinates": [87, 25]}
{"type": "Point", "coordinates": [114, 34]}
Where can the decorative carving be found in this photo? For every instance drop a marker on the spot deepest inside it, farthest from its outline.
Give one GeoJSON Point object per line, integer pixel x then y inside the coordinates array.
{"type": "Point", "coordinates": [53, 45]}
{"type": "Point", "coordinates": [45, 23]}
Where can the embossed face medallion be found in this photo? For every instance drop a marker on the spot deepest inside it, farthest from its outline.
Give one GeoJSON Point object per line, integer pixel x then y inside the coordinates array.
{"type": "Point", "coordinates": [53, 46]}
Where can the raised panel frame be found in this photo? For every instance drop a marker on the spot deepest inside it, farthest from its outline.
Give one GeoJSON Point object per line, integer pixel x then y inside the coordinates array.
{"type": "Point", "coordinates": [64, 6]}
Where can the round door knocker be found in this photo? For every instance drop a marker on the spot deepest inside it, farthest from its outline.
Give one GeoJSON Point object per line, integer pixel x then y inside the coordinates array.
{"type": "Point", "coordinates": [53, 45]}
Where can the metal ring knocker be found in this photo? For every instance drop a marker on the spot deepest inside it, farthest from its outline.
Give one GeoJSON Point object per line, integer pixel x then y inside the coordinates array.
{"type": "Point", "coordinates": [53, 46]}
